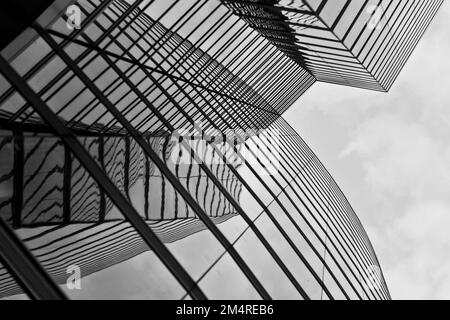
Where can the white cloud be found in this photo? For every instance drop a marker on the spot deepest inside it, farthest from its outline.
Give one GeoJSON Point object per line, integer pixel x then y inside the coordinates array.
{"type": "Point", "coordinates": [402, 158]}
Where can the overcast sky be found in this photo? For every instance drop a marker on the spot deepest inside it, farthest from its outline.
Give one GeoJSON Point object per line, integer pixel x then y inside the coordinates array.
{"type": "Point", "coordinates": [390, 153]}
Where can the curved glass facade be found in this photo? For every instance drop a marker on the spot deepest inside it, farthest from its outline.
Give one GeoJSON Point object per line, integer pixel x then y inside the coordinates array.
{"type": "Point", "coordinates": [145, 149]}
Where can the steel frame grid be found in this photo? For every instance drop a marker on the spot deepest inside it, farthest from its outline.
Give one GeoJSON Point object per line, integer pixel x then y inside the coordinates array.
{"type": "Point", "coordinates": [103, 180]}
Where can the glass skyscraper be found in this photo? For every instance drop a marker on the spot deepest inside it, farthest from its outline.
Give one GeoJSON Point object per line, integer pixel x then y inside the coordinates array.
{"type": "Point", "coordinates": [144, 140]}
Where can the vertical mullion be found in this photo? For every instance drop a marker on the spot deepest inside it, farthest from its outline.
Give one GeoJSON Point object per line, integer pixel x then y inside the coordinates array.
{"type": "Point", "coordinates": [18, 178]}
{"type": "Point", "coordinates": [101, 158]}
{"type": "Point", "coordinates": [146, 186]}
{"type": "Point", "coordinates": [67, 184]}
{"type": "Point", "coordinates": [126, 167]}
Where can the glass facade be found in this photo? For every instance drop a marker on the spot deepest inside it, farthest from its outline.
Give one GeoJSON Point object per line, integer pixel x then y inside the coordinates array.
{"type": "Point", "coordinates": [359, 43]}
{"type": "Point", "coordinates": [146, 146]}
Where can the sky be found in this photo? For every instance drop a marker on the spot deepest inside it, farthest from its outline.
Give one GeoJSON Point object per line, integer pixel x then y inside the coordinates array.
{"type": "Point", "coordinates": [390, 154]}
